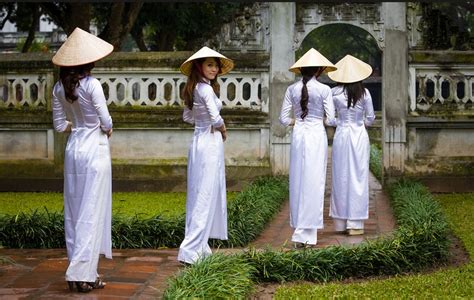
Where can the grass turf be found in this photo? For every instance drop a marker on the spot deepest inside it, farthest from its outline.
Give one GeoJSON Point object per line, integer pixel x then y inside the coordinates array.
{"type": "Point", "coordinates": [142, 204]}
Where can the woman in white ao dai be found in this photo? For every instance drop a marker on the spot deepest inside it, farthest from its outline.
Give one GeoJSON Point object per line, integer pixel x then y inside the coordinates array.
{"type": "Point", "coordinates": [79, 107]}
{"type": "Point", "coordinates": [310, 101]}
{"type": "Point", "coordinates": [351, 147]}
{"type": "Point", "coordinates": [206, 210]}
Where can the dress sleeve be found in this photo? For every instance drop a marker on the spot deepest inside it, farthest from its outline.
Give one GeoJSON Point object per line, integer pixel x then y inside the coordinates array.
{"type": "Point", "coordinates": [60, 121]}
{"type": "Point", "coordinates": [100, 104]}
{"type": "Point", "coordinates": [207, 94]}
{"type": "Point", "coordinates": [369, 109]}
{"type": "Point", "coordinates": [188, 116]}
{"type": "Point", "coordinates": [329, 109]}
{"type": "Point", "coordinates": [285, 118]}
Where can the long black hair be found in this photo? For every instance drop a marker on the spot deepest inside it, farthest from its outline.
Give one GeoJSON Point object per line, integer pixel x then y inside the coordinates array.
{"type": "Point", "coordinates": [354, 91]}
{"type": "Point", "coordinates": [308, 73]}
{"type": "Point", "coordinates": [70, 77]}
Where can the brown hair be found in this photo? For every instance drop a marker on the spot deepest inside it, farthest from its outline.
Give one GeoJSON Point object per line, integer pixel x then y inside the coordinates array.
{"type": "Point", "coordinates": [195, 77]}
{"type": "Point", "coordinates": [354, 92]}
{"type": "Point", "coordinates": [70, 77]}
{"type": "Point", "coordinates": [308, 73]}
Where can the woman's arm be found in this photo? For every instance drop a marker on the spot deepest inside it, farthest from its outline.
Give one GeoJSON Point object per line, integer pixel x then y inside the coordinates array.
{"type": "Point", "coordinates": [285, 111]}
{"type": "Point", "coordinates": [100, 104]}
{"type": "Point", "coordinates": [329, 108]}
{"type": "Point", "coordinates": [188, 116]}
{"type": "Point", "coordinates": [369, 109]}
{"type": "Point", "coordinates": [60, 122]}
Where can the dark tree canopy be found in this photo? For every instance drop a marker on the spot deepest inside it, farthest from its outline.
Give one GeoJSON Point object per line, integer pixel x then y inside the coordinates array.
{"type": "Point", "coordinates": [166, 26]}
{"type": "Point", "coordinates": [446, 25]}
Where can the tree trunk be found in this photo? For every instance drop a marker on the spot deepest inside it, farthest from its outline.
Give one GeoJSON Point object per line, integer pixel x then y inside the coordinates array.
{"type": "Point", "coordinates": [68, 16]}
{"type": "Point", "coordinates": [165, 40]}
{"type": "Point", "coordinates": [137, 35]}
{"type": "Point", "coordinates": [31, 32]}
{"type": "Point", "coordinates": [120, 22]}
{"type": "Point", "coordinates": [80, 16]}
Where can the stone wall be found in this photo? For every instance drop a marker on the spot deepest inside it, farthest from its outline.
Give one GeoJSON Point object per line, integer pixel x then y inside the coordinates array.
{"type": "Point", "coordinates": [440, 122]}
{"type": "Point", "coordinates": [150, 141]}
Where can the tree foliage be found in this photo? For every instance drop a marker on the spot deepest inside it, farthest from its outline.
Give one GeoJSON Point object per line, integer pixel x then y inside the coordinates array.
{"type": "Point", "coordinates": [334, 41]}
{"type": "Point", "coordinates": [166, 26]}
{"type": "Point", "coordinates": [447, 25]}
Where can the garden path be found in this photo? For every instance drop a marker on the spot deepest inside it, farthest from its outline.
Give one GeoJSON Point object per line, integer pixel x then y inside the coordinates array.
{"type": "Point", "coordinates": [142, 273]}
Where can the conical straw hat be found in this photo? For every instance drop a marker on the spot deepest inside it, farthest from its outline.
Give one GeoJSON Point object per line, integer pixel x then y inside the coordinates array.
{"type": "Point", "coordinates": [312, 58]}
{"type": "Point", "coordinates": [81, 48]}
{"type": "Point", "coordinates": [350, 69]}
{"type": "Point", "coordinates": [226, 64]}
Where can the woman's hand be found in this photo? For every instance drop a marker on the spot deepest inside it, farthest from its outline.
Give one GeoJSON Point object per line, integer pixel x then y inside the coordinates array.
{"type": "Point", "coordinates": [69, 127]}
{"type": "Point", "coordinates": [109, 133]}
{"type": "Point", "coordinates": [223, 131]}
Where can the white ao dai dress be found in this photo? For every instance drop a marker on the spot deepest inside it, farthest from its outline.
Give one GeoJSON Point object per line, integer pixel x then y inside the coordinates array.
{"type": "Point", "coordinates": [87, 177]}
{"type": "Point", "coordinates": [350, 161]}
{"type": "Point", "coordinates": [206, 208]}
{"type": "Point", "coordinates": [308, 157]}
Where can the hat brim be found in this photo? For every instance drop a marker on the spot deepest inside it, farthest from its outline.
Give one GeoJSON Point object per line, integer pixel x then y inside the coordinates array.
{"type": "Point", "coordinates": [226, 65]}
{"type": "Point", "coordinates": [350, 69]}
{"type": "Point", "coordinates": [327, 69]}
{"type": "Point", "coordinates": [81, 48]}
{"type": "Point", "coordinates": [312, 58]}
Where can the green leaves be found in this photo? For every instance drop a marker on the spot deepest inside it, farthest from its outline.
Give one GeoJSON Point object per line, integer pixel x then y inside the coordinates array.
{"type": "Point", "coordinates": [215, 277]}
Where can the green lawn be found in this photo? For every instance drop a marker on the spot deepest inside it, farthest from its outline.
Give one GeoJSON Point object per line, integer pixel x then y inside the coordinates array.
{"type": "Point", "coordinates": [449, 283]}
{"type": "Point", "coordinates": [145, 204]}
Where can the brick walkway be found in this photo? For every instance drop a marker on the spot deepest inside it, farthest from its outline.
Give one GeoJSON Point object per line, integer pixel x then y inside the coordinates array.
{"type": "Point", "coordinates": [142, 274]}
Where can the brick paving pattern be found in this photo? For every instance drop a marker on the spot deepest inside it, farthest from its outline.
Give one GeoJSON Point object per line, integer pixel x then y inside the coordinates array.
{"type": "Point", "coordinates": [142, 274]}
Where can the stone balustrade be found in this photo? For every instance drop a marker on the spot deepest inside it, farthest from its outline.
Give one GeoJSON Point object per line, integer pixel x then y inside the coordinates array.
{"type": "Point", "coordinates": [441, 82]}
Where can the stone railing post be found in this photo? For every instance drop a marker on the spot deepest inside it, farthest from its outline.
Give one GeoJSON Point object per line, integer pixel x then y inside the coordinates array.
{"type": "Point", "coordinates": [282, 56]}
{"type": "Point", "coordinates": [394, 89]}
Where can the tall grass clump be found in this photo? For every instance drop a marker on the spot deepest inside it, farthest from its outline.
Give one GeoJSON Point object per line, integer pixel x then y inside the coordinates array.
{"type": "Point", "coordinates": [155, 232]}
{"type": "Point", "coordinates": [375, 162]}
{"type": "Point", "coordinates": [39, 229]}
{"type": "Point", "coordinates": [216, 276]}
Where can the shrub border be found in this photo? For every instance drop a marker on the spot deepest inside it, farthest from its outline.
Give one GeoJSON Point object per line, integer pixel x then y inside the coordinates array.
{"type": "Point", "coordinates": [248, 214]}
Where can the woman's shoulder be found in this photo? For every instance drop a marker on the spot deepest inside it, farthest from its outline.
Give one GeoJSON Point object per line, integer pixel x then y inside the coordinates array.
{"type": "Point", "coordinates": [203, 88]}
{"type": "Point", "coordinates": [296, 84]}
{"type": "Point", "coordinates": [57, 89]}
{"type": "Point", "coordinates": [91, 81]}
{"type": "Point", "coordinates": [337, 90]}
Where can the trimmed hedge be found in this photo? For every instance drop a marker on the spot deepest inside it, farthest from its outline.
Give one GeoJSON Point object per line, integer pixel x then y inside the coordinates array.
{"type": "Point", "coordinates": [248, 214]}
{"type": "Point", "coordinates": [420, 241]}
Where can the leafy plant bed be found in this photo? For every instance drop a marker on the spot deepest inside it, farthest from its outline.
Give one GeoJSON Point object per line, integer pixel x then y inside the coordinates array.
{"type": "Point", "coordinates": [454, 281]}
{"type": "Point", "coordinates": [248, 213]}
{"type": "Point", "coordinates": [420, 241]}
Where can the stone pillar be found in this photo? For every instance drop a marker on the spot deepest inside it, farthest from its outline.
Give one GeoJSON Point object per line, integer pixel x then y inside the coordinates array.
{"type": "Point", "coordinates": [282, 56]}
{"type": "Point", "coordinates": [394, 89]}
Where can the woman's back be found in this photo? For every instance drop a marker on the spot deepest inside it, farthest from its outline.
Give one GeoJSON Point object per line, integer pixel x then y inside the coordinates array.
{"type": "Point", "coordinates": [319, 101]}
{"type": "Point", "coordinates": [360, 114]}
{"type": "Point", "coordinates": [88, 111]}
